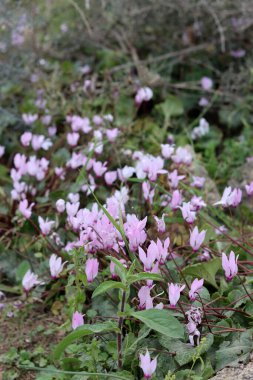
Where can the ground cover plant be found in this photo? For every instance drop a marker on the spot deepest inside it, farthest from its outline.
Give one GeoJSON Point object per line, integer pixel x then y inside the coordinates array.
{"type": "Point", "coordinates": [126, 183]}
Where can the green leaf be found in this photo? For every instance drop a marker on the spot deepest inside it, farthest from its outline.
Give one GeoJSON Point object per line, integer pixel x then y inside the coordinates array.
{"type": "Point", "coordinates": [105, 286]}
{"type": "Point", "coordinates": [237, 351]}
{"type": "Point", "coordinates": [143, 276]}
{"type": "Point", "coordinates": [184, 351]}
{"type": "Point", "coordinates": [172, 106]}
{"type": "Point", "coordinates": [207, 271]}
{"type": "Point", "coordinates": [161, 321]}
{"type": "Point", "coordinates": [83, 331]}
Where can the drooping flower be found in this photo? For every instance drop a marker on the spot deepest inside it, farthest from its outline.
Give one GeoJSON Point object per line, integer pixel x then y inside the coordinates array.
{"type": "Point", "coordinates": [110, 177]}
{"type": "Point", "coordinates": [148, 258]}
{"type": "Point", "coordinates": [230, 265]}
{"type": "Point", "coordinates": [176, 200]}
{"type": "Point", "coordinates": [160, 223]}
{"type": "Point", "coordinates": [25, 209]}
{"type": "Point", "coordinates": [30, 279]}
{"type": "Point", "coordinates": [45, 225]}
{"type": "Point", "coordinates": [147, 365]}
{"type": "Point", "coordinates": [91, 269]}
{"type": "Point", "coordinates": [174, 293]}
{"type": "Point", "coordinates": [188, 214]}
{"type": "Point", "coordinates": [197, 238]}
{"type": "Point", "coordinates": [55, 265]}
{"type": "Point", "coordinates": [249, 188]}
{"type": "Point", "coordinates": [60, 205]}
{"type": "Point", "coordinates": [206, 83]}
{"type": "Point", "coordinates": [77, 320]}
{"type": "Point", "coordinates": [195, 288]}
{"type": "Point", "coordinates": [230, 197]}
{"type": "Point", "coordinates": [144, 94]}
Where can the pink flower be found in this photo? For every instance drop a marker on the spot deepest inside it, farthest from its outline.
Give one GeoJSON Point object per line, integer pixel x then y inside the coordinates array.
{"type": "Point", "coordinates": [134, 230]}
{"type": "Point", "coordinates": [2, 150]}
{"type": "Point", "coordinates": [25, 210]}
{"type": "Point", "coordinates": [112, 134]}
{"type": "Point", "coordinates": [91, 269]}
{"type": "Point", "coordinates": [174, 293]}
{"type": "Point", "coordinates": [29, 118]}
{"type": "Point", "coordinates": [72, 138]}
{"type": "Point", "coordinates": [167, 150]}
{"type": "Point", "coordinates": [26, 138]}
{"type": "Point", "coordinates": [176, 200]}
{"type": "Point", "coordinates": [72, 208]}
{"type": "Point", "coordinates": [45, 225]}
{"type": "Point", "coordinates": [206, 83]}
{"type": "Point", "coordinates": [195, 288]}
{"type": "Point", "coordinates": [174, 179]}
{"type": "Point", "coordinates": [147, 365]}
{"type": "Point", "coordinates": [230, 265]}
{"type": "Point", "coordinates": [188, 214]}
{"type": "Point", "coordinates": [198, 182]}
{"type": "Point", "coordinates": [60, 205]}
{"type": "Point", "coordinates": [249, 188]}
{"type": "Point", "coordinates": [197, 203]}
{"type": "Point", "coordinates": [99, 168]}
{"type": "Point", "coordinates": [55, 265]}
{"type": "Point", "coordinates": [160, 224]}
{"type": "Point", "coordinates": [77, 320]}
{"type": "Point", "coordinates": [30, 279]}
{"type": "Point", "coordinates": [148, 193]}
{"type": "Point", "coordinates": [182, 156]}
{"type": "Point", "coordinates": [149, 258]}
{"type": "Point", "coordinates": [144, 94]}
{"type": "Point", "coordinates": [197, 238]}
{"type": "Point", "coordinates": [145, 299]}
{"type": "Point", "coordinates": [110, 177]}
{"type": "Point", "coordinates": [230, 197]}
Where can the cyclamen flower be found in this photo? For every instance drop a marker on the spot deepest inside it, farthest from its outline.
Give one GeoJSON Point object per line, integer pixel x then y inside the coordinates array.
{"type": "Point", "coordinates": [72, 138]}
{"type": "Point", "coordinates": [55, 265]}
{"type": "Point", "coordinates": [77, 320]}
{"type": "Point", "coordinates": [147, 365]}
{"type": "Point", "coordinates": [230, 265]}
{"type": "Point", "coordinates": [167, 150]}
{"type": "Point", "coordinates": [176, 200]}
{"type": "Point", "coordinates": [148, 193]}
{"type": "Point", "coordinates": [112, 134]}
{"type": "Point", "coordinates": [99, 168]}
{"type": "Point", "coordinates": [25, 210]}
{"type": "Point", "coordinates": [60, 205]}
{"type": "Point", "coordinates": [110, 177]}
{"type": "Point", "coordinates": [230, 197]}
{"type": "Point", "coordinates": [91, 269]}
{"type": "Point", "coordinates": [149, 258]}
{"type": "Point", "coordinates": [197, 238]}
{"type": "Point", "coordinates": [144, 94]}
{"type": "Point", "coordinates": [2, 150]}
{"type": "Point", "coordinates": [195, 288]}
{"type": "Point", "coordinates": [45, 225]}
{"type": "Point", "coordinates": [30, 279]}
{"type": "Point", "coordinates": [198, 182]}
{"type": "Point", "coordinates": [174, 179]}
{"type": "Point", "coordinates": [160, 223]}
{"type": "Point", "coordinates": [174, 293]}
{"type": "Point", "coordinates": [145, 299]}
{"type": "Point", "coordinates": [206, 83]}
{"type": "Point", "coordinates": [188, 214]}
{"type": "Point", "coordinates": [249, 188]}
{"type": "Point", "coordinates": [134, 229]}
